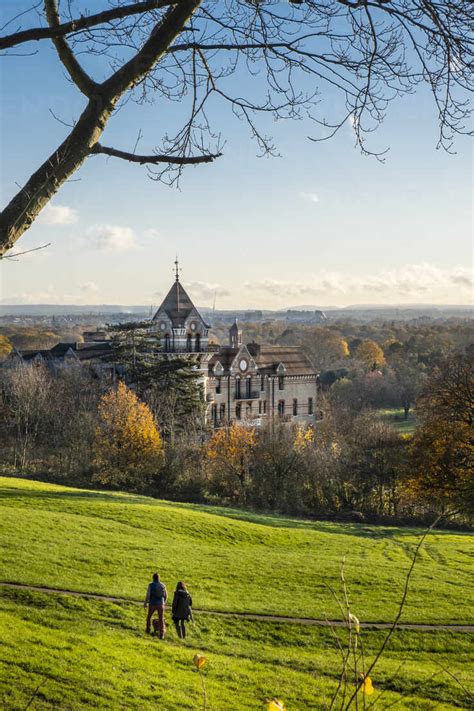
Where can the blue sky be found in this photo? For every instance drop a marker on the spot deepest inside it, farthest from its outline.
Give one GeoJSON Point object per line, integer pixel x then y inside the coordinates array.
{"type": "Point", "coordinates": [321, 224]}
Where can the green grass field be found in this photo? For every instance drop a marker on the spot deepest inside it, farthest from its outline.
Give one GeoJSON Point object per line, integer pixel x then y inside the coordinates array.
{"type": "Point", "coordinates": [395, 417]}
{"type": "Point", "coordinates": [94, 654]}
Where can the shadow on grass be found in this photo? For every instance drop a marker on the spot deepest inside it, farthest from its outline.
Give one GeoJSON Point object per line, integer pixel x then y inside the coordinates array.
{"type": "Point", "coordinates": [262, 519]}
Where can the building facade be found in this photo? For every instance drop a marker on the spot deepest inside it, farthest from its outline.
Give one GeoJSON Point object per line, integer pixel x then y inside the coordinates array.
{"type": "Point", "coordinates": [249, 383]}
{"type": "Point", "coordinates": [241, 382]}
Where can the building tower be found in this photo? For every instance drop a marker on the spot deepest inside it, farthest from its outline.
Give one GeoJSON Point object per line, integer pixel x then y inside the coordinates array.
{"type": "Point", "coordinates": [235, 335]}
{"type": "Point", "coordinates": [180, 325]}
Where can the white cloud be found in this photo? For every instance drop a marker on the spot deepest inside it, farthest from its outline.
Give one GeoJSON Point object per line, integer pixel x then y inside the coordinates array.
{"type": "Point", "coordinates": [151, 234]}
{"type": "Point", "coordinates": [205, 290]}
{"type": "Point", "coordinates": [57, 215]}
{"type": "Point", "coordinates": [117, 238]}
{"type": "Point", "coordinates": [89, 287]}
{"type": "Point", "coordinates": [412, 281]}
{"type": "Point", "coordinates": [310, 197]}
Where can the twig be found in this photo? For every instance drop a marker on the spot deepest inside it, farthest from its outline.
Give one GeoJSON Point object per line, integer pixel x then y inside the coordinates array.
{"type": "Point", "coordinates": [43, 681]}
{"type": "Point", "coordinates": [401, 606]}
{"type": "Point", "coordinates": [20, 254]}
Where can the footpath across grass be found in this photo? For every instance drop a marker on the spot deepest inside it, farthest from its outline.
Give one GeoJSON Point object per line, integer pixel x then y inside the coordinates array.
{"type": "Point", "coordinates": [111, 543]}
{"type": "Point", "coordinates": [94, 654]}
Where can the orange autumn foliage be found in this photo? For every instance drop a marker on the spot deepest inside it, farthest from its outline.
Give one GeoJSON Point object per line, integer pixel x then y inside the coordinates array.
{"type": "Point", "coordinates": [128, 448]}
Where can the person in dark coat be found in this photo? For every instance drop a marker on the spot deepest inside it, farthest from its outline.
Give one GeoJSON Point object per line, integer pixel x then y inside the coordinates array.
{"type": "Point", "coordinates": [181, 610]}
{"type": "Point", "coordinates": [155, 599]}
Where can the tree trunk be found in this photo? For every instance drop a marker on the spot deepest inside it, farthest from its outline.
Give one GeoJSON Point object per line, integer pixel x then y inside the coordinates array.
{"type": "Point", "coordinates": [23, 209]}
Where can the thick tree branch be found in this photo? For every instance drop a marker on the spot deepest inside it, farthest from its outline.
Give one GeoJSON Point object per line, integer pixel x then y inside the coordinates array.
{"type": "Point", "coordinates": [160, 39]}
{"type": "Point", "coordinates": [81, 23]}
{"type": "Point", "coordinates": [65, 53]}
{"type": "Point", "coordinates": [23, 209]}
{"type": "Point", "coordinates": [153, 158]}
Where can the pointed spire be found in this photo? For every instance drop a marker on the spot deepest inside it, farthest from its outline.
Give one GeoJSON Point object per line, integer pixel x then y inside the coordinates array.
{"type": "Point", "coordinates": [176, 268]}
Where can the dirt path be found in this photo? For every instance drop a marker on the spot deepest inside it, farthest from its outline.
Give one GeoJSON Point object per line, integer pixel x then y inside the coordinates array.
{"type": "Point", "coordinates": [247, 615]}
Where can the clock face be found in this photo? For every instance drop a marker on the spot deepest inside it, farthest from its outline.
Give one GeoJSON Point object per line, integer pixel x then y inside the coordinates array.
{"type": "Point", "coordinates": [243, 365]}
{"type": "Point", "coordinates": [162, 325]}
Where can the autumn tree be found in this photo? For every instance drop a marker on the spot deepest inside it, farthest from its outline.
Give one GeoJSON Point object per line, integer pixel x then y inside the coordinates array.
{"type": "Point", "coordinates": [5, 347]}
{"type": "Point", "coordinates": [364, 54]}
{"type": "Point", "coordinates": [25, 406]}
{"type": "Point", "coordinates": [324, 347]}
{"type": "Point", "coordinates": [443, 445]}
{"type": "Point", "coordinates": [408, 379]}
{"type": "Point", "coordinates": [278, 467]}
{"type": "Point", "coordinates": [230, 453]}
{"type": "Point", "coordinates": [370, 355]}
{"type": "Point", "coordinates": [128, 447]}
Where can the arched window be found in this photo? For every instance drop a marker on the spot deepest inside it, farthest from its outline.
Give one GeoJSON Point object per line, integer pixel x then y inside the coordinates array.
{"type": "Point", "coordinates": [167, 344]}
{"type": "Point", "coordinates": [238, 393]}
{"type": "Point", "coordinates": [197, 343]}
{"type": "Point", "coordinates": [249, 386]}
{"type": "Point", "coordinates": [238, 411]}
{"type": "Point", "coordinates": [189, 343]}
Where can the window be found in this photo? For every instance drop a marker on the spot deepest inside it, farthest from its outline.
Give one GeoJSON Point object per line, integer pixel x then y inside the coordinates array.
{"type": "Point", "coordinates": [281, 407]}
{"type": "Point", "coordinates": [238, 393]}
{"type": "Point", "coordinates": [189, 345]}
{"type": "Point", "coordinates": [218, 386]}
{"type": "Point", "coordinates": [214, 414]}
{"type": "Point", "coordinates": [310, 406]}
{"type": "Point", "coordinates": [167, 344]}
{"type": "Point", "coordinates": [249, 387]}
{"type": "Point", "coordinates": [262, 383]}
{"type": "Point", "coordinates": [238, 411]}
{"type": "Point", "coordinates": [281, 382]}
{"type": "Point", "coordinates": [222, 411]}
{"type": "Point", "coordinates": [295, 407]}
{"type": "Point", "coordinates": [198, 343]}
{"type": "Point", "coordinates": [248, 410]}
{"type": "Point", "coordinates": [259, 407]}
{"type": "Point", "coordinates": [264, 407]}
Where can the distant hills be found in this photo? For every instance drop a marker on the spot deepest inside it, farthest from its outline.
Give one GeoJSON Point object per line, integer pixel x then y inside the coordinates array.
{"type": "Point", "coordinates": [388, 311]}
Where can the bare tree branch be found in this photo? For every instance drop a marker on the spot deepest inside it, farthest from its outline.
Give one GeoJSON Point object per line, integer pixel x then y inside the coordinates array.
{"type": "Point", "coordinates": [71, 154]}
{"type": "Point", "coordinates": [354, 57]}
{"type": "Point", "coordinates": [65, 53]}
{"type": "Point", "coordinates": [81, 23]}
{"type": "Point", "coordinates": [154, 158]}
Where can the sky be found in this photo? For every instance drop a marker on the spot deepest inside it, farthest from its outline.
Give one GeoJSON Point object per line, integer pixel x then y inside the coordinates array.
{"type": "Point", "coordinates": [319, 225]}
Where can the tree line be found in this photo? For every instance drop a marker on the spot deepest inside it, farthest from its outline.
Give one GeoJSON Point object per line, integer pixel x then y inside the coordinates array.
{"type": "Point", "coordinates": [149, 436]}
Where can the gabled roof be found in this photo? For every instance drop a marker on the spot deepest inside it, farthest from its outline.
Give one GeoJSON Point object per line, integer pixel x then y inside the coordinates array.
{"type": "Point", "coordinates": [177, 305]}
{"type": "Point", "coordinates": [267, 359]}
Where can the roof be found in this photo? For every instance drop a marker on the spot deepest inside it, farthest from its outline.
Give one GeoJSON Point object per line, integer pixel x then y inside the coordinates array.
{"type": "Point", "coordinates": [82, 351]}
{"type": "Point", "coordinates": [177, 305]}
{"type": "Point", "coordinates": [267, 359]}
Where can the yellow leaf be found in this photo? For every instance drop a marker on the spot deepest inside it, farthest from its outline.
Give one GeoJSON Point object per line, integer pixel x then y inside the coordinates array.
{"type": "Point", "coordinates": [366, 686]}
{"type": "Point", "coordinates": [199, 661]}
{"type": "Point", "coordinates": [275, 705]}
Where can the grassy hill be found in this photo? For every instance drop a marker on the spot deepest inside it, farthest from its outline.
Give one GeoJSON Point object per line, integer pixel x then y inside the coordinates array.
{"type": "Point", "coordinates": [91, 653]}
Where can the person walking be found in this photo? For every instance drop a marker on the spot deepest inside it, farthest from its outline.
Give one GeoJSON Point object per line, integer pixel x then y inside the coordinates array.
{"type": "Point", "coordinates": [156, 596]}
{"type": "Point", "coordinates": [181, 610]}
